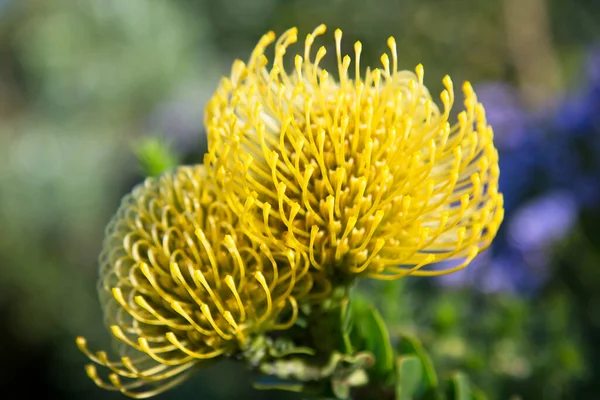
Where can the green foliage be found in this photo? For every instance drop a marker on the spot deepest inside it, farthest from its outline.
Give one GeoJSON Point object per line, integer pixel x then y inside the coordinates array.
{"type": "Point", "coordinates": [371, 334]}
{"type": "Point", "coordinates": [99, 57]}
{"type": "Point", "coordinates": [409, 370]}
{"type": "Point", "coordinates": [368, 366]}
{"type": "Point", "coordinates": [412, 346]}
{"type": "Point", "coordinates": [501, 340]}
{"type": "Point", "coordinates": [460, 387]}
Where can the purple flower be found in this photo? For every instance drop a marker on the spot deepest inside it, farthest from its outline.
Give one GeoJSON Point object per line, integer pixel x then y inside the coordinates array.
{"type": "Point", "coordinates": [593, 66]}
{"type": "Point", "coordinates": [554, 153]}
{"type": "Point", "coordinates": [543, 221]}
{"type": "Point", "coordinates": [520, 264]}
{"type": "Point", "coordinates": [579, 112]}
{"type": "Point", "coordinates": [504, 274]}
{"type": "Point", "coordinates": [467, 276]}
{"type": "Point", "coordinates": [504, 113]}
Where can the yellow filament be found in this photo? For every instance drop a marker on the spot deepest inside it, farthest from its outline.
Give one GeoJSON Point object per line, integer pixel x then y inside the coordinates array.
{"type": "Point", "coordinates": [153, 353]}
{"type": "Point", "coordinates": [288, 324]}
{"type": "Point", "coordinates": [210, 255]}
{"type": "Point", "coordinates": [201, 356]}
{"type": "Point", "coordinates": [261, 280]}
{"type": "Point", "coordinates": [207, 313]}
{"type": "Point", "coordinates": [231, 285]}
{"type": "Point", "coordinates": [178, 308]}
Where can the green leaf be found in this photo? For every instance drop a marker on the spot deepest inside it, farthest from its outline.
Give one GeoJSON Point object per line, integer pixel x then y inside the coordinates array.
{"type": "Point", "coordinates": [346, 325]}
{"type": "Point", "coordinates": [329, 326]}
{"type": "Point", "coordinates": [155, 156]}
{"type": "Point", "coordinates": [409, 374]}
{"type": "Point", "coordinates": [373, 332]}
{"type": "Point", "coordinates": [477, 394]}
{"type": "Point", "coordinates": [267, 383]}
{"type": "Point", "coordinates": [460, 387]}
{"type": "Point", "coordinates": [412, 345]}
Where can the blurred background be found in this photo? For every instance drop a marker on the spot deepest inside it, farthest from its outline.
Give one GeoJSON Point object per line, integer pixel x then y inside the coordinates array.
{"type": "Point", "coordinates": [82, 80]}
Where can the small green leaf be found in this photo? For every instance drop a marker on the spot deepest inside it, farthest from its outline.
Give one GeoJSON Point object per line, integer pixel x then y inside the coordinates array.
{"type": "Point", "coordinates": [409, 370]}
{"type": "Point", "coordinates": [155, 156]}
{"type": "Point", "coordinates": [350, 373]}
{"type": "Point", "coordinates": [372, 330]}
{"type": "Point", "coordinates": [460, 387]}
{"type": "Point", "coordinates": [412, 345]}
{"type": "Point", "coordinates": [283, 347]}
{"type": "Point", "coordinates": [340, 389]}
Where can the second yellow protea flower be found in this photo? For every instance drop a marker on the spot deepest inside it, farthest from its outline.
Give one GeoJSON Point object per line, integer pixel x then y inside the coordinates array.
{"type": "Point", "coordinates": [181, 285]}
{"type": "Point", "coordinates": [365, 175]}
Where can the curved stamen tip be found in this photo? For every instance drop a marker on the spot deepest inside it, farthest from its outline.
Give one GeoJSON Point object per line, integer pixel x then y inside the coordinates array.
{"type": "Point", "coordinates": [114, 379]}
{"type": "Point", "coordinates": [118, 295]}
{"type": "Point", "coordinates": [171, 337]}
{"type": "Point", "coordinates": [116, 330]}
{"type": "Point", "coordinates": [391, 42]}
{"type": "Point", "coordinates": [91, 371]}
{"type": "Point", "coordinates": [81, 342]}
{"type": "Point", "coordinates": [447, 81]}
{"type": "Point", "coordinates": [321, 29]}
{"type": "Point", "coordinates": [420, 70]}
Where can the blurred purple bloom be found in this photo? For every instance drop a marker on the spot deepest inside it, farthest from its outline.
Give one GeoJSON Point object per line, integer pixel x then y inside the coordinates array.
{"type": "Point", "coordinates": [557, 154]}
{"type": "Point", "coordinates": [579, 112]}
{"type": "Point", "coordinates": [515, 271]}
{"type": "Point", "coordinates": [502, 275]}
{"type": "Point", "coordinates": [586, 186]}
{"type": "Point", "coordinates": [466, 276]}
{"type": "Point", "coordinates": [509, 271]}
{"type": "Point", "coordinates": [517, 140]}
{"type": "Point", "coordinates": [519, 169]}
{"type": "Point", "coordinates": [521, 264]}
{"type": "Point", "coordinates": [504, 113]}
{"type": "Point", "coordinates": [593, 66]}
{"type": "Point", "coordinates": [543, 221]}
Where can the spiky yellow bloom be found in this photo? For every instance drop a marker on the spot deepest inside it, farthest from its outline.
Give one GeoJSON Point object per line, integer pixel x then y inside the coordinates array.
{"type": "Point", "coordinates": [366, 175]}
{"type": "Point", "coordinates": [180, 285]}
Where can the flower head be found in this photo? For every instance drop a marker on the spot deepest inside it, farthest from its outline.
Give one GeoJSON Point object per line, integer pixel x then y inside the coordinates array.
{"type": "Point", "coordinates": [365, 173]}
{"type": "Point", "coordinates": [180, 285]}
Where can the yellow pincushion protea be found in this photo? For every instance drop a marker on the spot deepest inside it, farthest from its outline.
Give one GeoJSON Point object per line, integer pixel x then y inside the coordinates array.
{"type": "Point", "coordinates": [180, 285]}
{"type": "Point", "coordinates": [366, 175]}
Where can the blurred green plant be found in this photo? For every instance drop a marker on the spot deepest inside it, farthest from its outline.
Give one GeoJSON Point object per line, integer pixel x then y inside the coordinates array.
{"type": "Point", "coordinates": [92, 57]}
{"type": "Point", "coordinates": [508, 344]}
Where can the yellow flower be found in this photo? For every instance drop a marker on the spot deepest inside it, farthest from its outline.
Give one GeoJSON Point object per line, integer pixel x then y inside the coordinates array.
{"type": "Point", "coordinates": [366, 175]}
{"type": "Point", "coordinates": [180, 285]}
